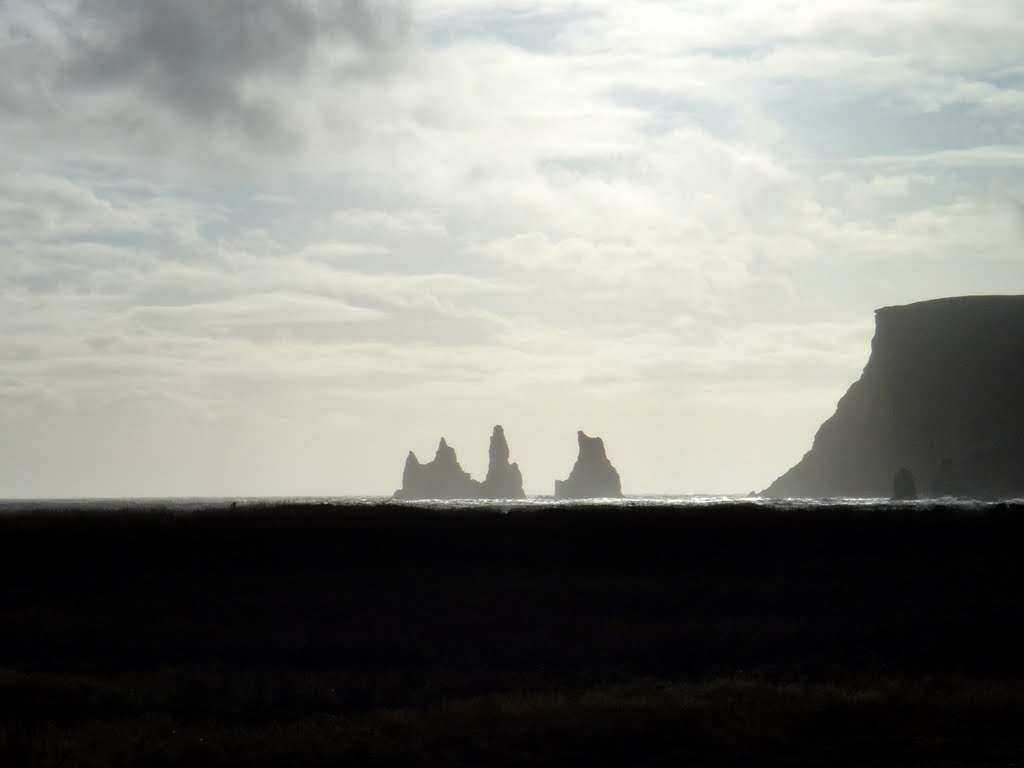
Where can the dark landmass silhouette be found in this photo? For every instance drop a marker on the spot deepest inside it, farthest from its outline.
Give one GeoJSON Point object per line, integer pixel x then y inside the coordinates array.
{"type": "Point", "coordinates": [504, 480]}
{"type": "Point", "coordinates": [592, 476]}
{"type": "Point", "coordinates": [942, 395]}
{"type": "Point", "coordinates": [444, 478]}
{"type": "Point", "coordinates": [594, 634]}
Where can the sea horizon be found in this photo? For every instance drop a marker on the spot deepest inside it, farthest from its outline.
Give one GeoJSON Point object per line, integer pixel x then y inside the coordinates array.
{"type": "Point", "coordinates": [185, 504]}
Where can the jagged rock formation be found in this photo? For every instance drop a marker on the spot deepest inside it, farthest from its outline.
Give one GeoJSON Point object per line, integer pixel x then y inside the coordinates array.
{"type": "Point", "coordinates": [904, 485]}
{"type": "Point", "coordinates": [942, 395]}
{"type": "Point", "coordinates": [441, 478]}
{"type": "Point", "coordinates": [593, 475]}
{"type": "Point", "coordinates": [504, 480]}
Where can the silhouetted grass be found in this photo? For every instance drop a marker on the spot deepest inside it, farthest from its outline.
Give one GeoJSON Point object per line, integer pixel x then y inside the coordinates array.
{"type": "Point", "coordinates": [301, 636]}
{"type": "Point", "coordinates": [728, 721]}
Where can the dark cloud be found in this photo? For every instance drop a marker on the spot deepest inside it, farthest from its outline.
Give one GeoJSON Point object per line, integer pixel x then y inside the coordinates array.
{"type": "Point", "coordinates": [204, 59]}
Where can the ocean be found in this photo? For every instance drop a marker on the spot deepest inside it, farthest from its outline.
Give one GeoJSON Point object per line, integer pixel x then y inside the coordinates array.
{"type": "Point", "coordinates": [190, 505]}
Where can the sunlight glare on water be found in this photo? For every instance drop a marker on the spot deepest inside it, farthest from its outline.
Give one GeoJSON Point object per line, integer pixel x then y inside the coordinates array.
{"type": "Point", "coordinates": [240, 505]}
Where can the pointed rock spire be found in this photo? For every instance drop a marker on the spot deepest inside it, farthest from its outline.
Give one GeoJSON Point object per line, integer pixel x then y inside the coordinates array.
{"type": "Point", "coordinates": [504, 480]}
{"type": "Point", "coordinates": [411, 473]}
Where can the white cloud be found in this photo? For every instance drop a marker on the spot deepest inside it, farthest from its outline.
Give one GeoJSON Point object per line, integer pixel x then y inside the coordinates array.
{"type": "Point", "coordinates": [972, 157]}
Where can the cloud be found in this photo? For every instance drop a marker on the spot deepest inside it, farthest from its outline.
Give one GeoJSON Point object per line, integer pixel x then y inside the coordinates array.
{"type": "Point", "coordinates": [219, 61]}
{"type": "Point", "coordinates": [212, 83]}
{"type": "Point", "coordinates": [36, 206]}
{"type": "Point", "coordinates": [972, 157]}
{"type": "Point", "coordinates": [648, 219]}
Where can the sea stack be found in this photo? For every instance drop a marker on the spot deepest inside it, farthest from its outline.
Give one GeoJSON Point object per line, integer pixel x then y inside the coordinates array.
{"type": "Point", "coordinates": [942, 395]}
{"type": "Point", "coordinates": [504, 480]}
{"type": "Point", "coordinates": [441, 478]}
{"type": "Point", "coordinates": [904, 485]}
{"type": "Point", "coordinates": [593, 475]}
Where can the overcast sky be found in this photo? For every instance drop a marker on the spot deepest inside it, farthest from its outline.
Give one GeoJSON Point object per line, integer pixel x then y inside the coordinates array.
{"type": "Point", "coordinates": [257, 247]}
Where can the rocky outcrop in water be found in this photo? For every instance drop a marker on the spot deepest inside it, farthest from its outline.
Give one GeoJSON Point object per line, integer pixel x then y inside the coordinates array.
{"type": "Point", "coordinates": [441, 478]}
{"type": "Point", "coordinates": [942, 395]}
{"type": "Point", "coordinates": [593, 475]}
{"type": "Point", "coordinates": [444, 478]}
{"type": "Point", "coordinates": [904, 485]}
{"type": "Point", "coordinates": [504, 480]}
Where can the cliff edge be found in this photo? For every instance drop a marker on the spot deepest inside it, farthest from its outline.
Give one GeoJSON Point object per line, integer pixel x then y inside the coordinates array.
{"type": "Point", "coordinates": [942, 395]}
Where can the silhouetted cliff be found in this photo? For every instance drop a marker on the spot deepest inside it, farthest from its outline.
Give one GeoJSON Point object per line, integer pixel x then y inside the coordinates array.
{"type": "Point", "coordinates": [593, 475]}
{"type": "Point", "coordinates": [441, 478]}
{"type": "Point", "coordinates": [504, 480]}
{"type": "Point", "coordinates": [942, 394]}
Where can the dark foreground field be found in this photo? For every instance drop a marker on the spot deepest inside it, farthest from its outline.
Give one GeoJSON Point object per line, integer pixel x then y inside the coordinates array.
{"type": "Point", "coordinates": [303, 636]}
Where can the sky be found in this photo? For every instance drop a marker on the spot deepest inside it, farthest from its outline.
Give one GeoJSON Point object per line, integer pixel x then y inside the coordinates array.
{"type": "Point", "coordinates": [266, 247]}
